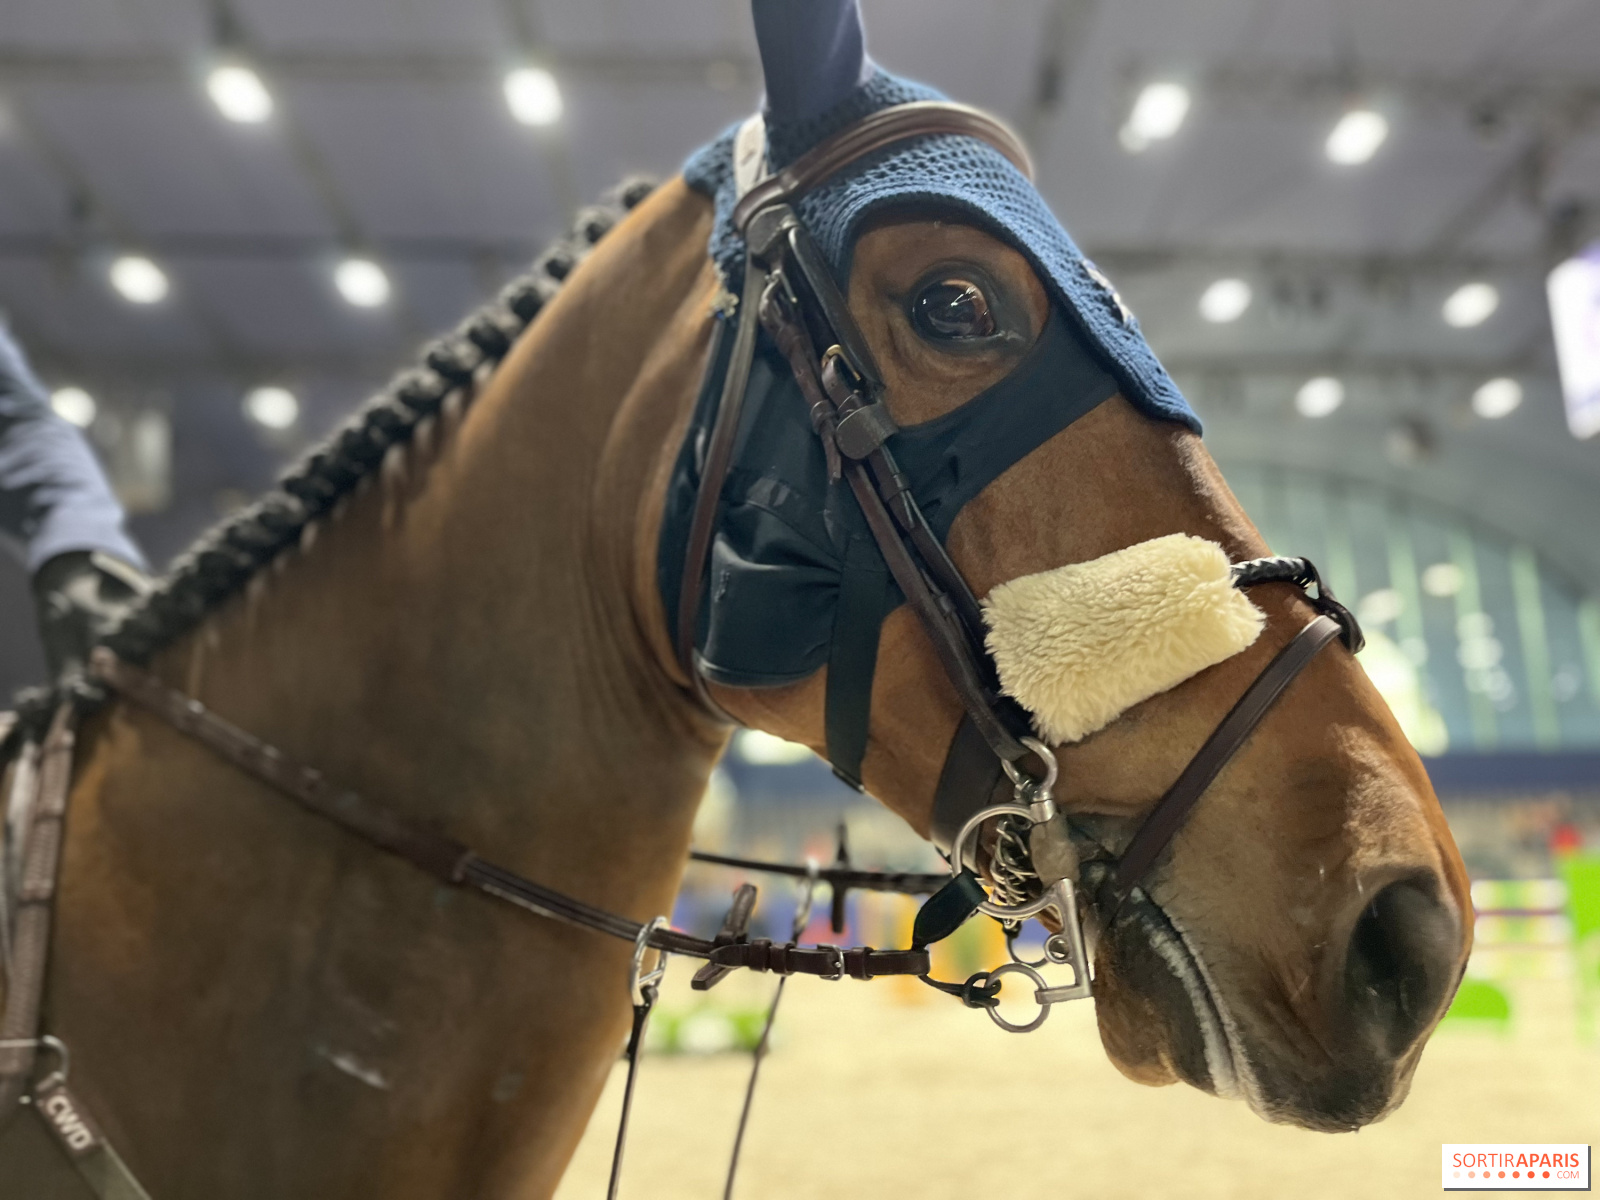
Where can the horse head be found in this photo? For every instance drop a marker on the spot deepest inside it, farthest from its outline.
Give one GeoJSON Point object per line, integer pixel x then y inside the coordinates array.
{"type": "Point", "coordinates": [1301, 935]}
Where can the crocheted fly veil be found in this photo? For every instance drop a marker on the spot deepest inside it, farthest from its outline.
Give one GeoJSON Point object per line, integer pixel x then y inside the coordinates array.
{"type": "Point", "coordinates": [795, 579]}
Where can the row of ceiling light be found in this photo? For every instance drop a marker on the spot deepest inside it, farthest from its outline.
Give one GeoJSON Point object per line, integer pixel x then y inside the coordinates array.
{"type": "Point", "coordinates": [1469, 305]}
{"type": "Point", "coordinates": [271, 407]}
{"type": "Point", "coordinates": [139, 279]}
{"type": "Point", "coordinates": [1161, 107]}
{"type": "Point", "coordinates": [241, 95]}
{"type": "Point", "coordinates": [1323, 395]}
{"type": "Point", "coordinates": [1159, 111]}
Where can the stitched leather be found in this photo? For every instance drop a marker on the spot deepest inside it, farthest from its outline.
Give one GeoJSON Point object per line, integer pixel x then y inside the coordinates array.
{"type": "Point", "coordinates": [1173, 809]}
{"type": "Point", "coordinates": [899, 123]}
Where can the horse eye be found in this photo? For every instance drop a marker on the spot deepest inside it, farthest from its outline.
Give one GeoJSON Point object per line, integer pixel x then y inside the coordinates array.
{"type": "Point", "coordinates": [953, 310]}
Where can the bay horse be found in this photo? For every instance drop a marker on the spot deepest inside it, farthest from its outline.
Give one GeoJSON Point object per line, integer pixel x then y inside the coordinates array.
{"type": "Point", "coordinates": [260, 1006]}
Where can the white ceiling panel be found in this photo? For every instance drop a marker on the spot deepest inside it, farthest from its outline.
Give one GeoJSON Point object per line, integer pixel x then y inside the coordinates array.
{"type": "Point", "coordinates": [373, 26]}
{"type": "Point", "coordinates": [166, 162]}
{"type": "Point", "coordinates": [101, 25]}
{"type": "Point", "coordinates": [440, 159]}
{"type": "Point", "coordinates": [621, 27]}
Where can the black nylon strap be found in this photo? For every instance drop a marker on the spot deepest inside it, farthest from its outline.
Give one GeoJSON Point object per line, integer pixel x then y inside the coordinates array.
{"type": "Point", "coordinates": [971, 776]}
{"type": "Point", "coordinates": [853, 658]}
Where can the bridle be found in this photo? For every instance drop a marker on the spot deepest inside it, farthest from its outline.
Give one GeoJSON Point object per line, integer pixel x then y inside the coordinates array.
{"type": "Point", "coordinates": [789, 291]}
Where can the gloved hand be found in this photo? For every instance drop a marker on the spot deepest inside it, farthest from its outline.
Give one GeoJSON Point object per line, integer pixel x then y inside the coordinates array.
{"type": "Point", "coordinates": [80, 596]}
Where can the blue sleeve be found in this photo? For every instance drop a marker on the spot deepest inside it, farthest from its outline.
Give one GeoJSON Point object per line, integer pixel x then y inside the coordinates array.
{"type": "Point", "coordinates": [53, 495]}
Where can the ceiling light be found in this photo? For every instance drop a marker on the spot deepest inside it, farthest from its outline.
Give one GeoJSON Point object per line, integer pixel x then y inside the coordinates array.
{"type": "Point", "coordinates": [1574, 291]}
{"type": "Point", "coordinates": [1320, 396]}
{"type": "Point", "coordinates": [533, 95]}
{"type": "Point", "coordinates": [272, 407]}
{"type": "Point", "coordinates": [1157, 114]}
{"type": "Point", "coordinates": [1471, 304]}
{"type": "Point", "coordinates": [75, 405]}
{"type": "Point", "coordinates": [239, 94]}
{"type": "Point", "coordinates": [361, 282]}
{"type": "Point", "coordinates": [138, 279]}
{"type": "Point", "coordinates": [1356, 137]}
{"type": "Point", "coordinates": [1380, 607]}
{"type": "Point", "coordinates": [1225, 300]}
{"type": "Point", "coordinates": [1442, 579]}
{"type": "Point", "coordinates": [1497, 398]}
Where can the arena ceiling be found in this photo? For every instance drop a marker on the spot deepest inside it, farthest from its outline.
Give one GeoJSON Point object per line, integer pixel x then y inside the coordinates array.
{"type": "Point", "coordinates": [391, 138]}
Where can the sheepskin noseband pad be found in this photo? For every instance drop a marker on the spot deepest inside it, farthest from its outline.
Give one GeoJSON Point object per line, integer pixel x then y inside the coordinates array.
{"type": "Point", "coordinates": [1080, 645]}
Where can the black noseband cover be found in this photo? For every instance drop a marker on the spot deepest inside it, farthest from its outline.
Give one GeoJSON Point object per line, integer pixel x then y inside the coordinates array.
{"type": "Point", "coordinates": [795, 579]}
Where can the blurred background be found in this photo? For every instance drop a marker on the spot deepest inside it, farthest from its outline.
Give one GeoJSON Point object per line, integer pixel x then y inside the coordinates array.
{"type": "Point", "coordinates": [1343, 224]}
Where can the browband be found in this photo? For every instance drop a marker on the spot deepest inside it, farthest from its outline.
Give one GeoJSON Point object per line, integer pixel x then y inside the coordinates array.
{"type": "Point", "coordinates": [886, 127]}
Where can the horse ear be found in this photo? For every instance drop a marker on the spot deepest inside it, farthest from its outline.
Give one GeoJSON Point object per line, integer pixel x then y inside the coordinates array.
{"type": "Point", "coordinates": [813, 54]}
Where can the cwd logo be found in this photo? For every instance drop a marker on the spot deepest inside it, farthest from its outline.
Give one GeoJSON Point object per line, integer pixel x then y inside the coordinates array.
{"type": "Point", "coordinates": [1529, 1167]}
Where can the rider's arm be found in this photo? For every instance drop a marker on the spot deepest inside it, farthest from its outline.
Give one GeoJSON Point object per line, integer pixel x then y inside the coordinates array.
{"type": "Point", "coordinates": [54, 499]}
{"type": "Point", "coordinates": [58, 516]}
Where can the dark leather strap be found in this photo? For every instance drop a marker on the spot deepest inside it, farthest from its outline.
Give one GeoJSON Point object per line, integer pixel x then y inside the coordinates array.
{"type": "Point", "coordinates": [970, 778]}
{"type": "Point", "coordinates": [872, 133]}
{"type": "Point", "coordinates": [1303, 573]}
{"type": "Point", "coordinates": [719, 454]}
{"type": "Point", "coordinates": [853, 658]}
{"type": "Point", "coordinates": [434, 853]}
{"type": "Point", "coordinates": [36, 893]}
{"type": "Point", "coordinates": [858, 962]}
{"type": "Point", "coordinates": [1173, 809]}
{"type": "Point", "coordinates": [448, 860]}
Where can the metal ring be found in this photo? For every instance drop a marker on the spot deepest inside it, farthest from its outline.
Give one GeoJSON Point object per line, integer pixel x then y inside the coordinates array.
{"type": "Point", "coordinates": [1011, 952]}
{"type": "Point", "coordinates": [988, 907]}
{"type": "Point", "coordinates": [838, 958]}
{"type": "Point", "coordinates": [638, 978]}
{"type": "Point", "coordinates": [1038, 984]}
{"type": "Point", "coordinates": [46, 1042]}
{"type": "Point", "coordinates": [1052, 770]}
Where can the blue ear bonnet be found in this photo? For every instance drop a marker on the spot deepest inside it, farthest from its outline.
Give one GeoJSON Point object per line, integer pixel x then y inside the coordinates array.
{"type": "Point", "coordinates": [971, 179]}
{"type": "Point", "coordinates": [795, 578]}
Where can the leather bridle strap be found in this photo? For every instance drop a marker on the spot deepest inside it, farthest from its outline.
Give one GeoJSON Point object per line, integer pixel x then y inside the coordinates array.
{"type": "Point", "coordinates": [453, 863]}
{"type": "Point", "coordinates": [874, 132]}
{"type": "Point", "coordinates": [781, 260]}
{"type": "Point", "coordinates": [1173, 809]}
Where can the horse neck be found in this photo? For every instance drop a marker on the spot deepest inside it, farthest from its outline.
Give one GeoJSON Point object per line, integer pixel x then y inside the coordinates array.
{"type": "Point", "coordinates": [461, 637]}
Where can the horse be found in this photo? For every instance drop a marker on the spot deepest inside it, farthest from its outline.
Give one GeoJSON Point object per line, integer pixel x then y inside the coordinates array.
{"type": "Point", "coordinates": [470, 626]}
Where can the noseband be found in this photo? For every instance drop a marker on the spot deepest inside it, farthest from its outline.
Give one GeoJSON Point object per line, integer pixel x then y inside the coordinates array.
{"type": "Point", "coordinates": [790, 291]}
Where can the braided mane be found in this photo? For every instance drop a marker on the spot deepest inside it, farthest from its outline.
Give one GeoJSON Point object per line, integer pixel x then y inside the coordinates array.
{"type": "Point", "coordinates": [225, 558]}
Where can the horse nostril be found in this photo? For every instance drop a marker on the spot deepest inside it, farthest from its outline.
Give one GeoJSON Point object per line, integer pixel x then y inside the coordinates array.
{"type": "Point", "coordinates": [1401, 963]}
